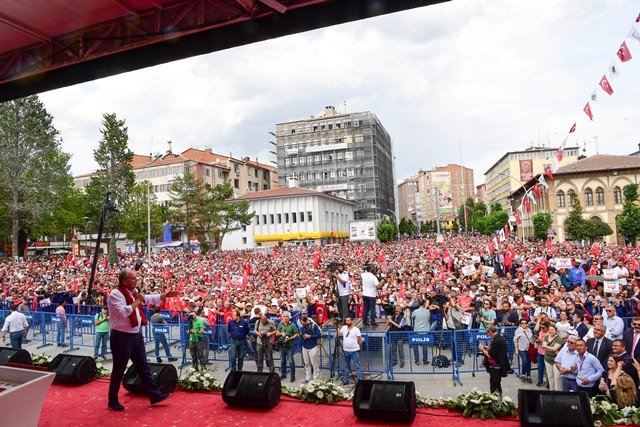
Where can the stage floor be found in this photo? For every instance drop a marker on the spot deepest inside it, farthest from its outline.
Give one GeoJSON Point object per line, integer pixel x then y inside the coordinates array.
{"type": "Point", "coordinates": [87, 406]}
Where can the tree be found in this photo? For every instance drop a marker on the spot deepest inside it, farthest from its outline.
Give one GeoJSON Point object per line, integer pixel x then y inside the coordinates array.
{"type": "Point", "coordinates": [542, 221]}
{"type": "Point", "coordinates": [68, 213]}
{"type": "Point", "coordinates": [134, 219]}
{"type": "Point", "coordinates": [34, 172]}
{"type": "Point", "coordinates": [114, 176]}
{"type": "Point", "coordinates": [495, 220]}
{"type": "Point", "coordinates": [221, 216]}
{"type": "Point", "coordinates": [595, 229]}
{"type": "Point", "coordinates": [387, 230]}
{"type": "Point", "coordinates": [407, 227]}
{"type": "Point", "coordinates": [575, 226]}
{"type": "Point", "coordinates": [187, 199]}
{"type": "Point", "coordinates": [629, 220]}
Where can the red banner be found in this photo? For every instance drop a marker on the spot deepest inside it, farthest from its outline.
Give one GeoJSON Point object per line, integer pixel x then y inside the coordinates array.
{"type": "Point", "coordinates": [526, 170]}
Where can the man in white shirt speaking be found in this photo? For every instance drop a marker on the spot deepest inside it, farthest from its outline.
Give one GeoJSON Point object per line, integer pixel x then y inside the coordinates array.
{"type": "Point", "coordinates": [369, 293]}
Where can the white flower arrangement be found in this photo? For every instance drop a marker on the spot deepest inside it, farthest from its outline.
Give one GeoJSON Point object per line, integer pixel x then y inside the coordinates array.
{"type": "Point", "coordinates": [195, 380]}
{"type": "Point", "coordinates": [474, 404]}
{"type": "Point", "coordinates": [606, 413]}
{"type": "Point", "coordinates": [317, 392]}
{"type": "Point", "coordinates": [41, 360]}
{"type": "Point", "coordinates": [101, 371]}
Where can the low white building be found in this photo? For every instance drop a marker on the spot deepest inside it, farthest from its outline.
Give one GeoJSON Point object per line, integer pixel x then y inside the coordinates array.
{"type": "Point", "coordinates": [292, 215]}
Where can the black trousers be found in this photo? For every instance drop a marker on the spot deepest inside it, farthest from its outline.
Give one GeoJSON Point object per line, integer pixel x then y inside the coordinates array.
{"type": "Point", "coordinates": [591, 391]}
{"type": "Point", "coordinates": [495, 379]}
{"type": "Point", "coordinates": [126, 346]}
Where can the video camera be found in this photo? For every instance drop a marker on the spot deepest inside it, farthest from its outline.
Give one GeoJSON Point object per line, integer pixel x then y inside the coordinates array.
{"type": "Point", "coordinates": [333, 266]}
{"type": "Point", "coordinates": [369, 267]}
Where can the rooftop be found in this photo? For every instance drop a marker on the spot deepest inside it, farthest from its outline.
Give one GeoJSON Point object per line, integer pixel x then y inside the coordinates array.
{"type": "Point", "coordinates": [286, 192]}
{"type": "Point", "coordinates": [600, 163]}
{"type": "Point", "coordinates": [529, 150]}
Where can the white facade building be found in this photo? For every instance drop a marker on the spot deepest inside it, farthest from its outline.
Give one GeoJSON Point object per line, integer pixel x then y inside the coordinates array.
{"type": "Point", "coordinates": [292, 215]}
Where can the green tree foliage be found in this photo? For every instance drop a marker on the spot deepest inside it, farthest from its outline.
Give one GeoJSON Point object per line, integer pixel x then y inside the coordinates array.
{"type": "Point", "coordinates": [226, 216]}
{"type": "Point", "coordinates": [629, 220]}
{"type": "Point", "coordinates": [114, 175]}
{"type": "Point", "coordinates": [134, 219]}
{"type": "Point", "coordinates": [34, 172]}
{"type": "Point", "coordinates": [596, 229]}
{"type": "Point", "coordinates": [542, 221]}
{"type": "Point", "coordinates": [407, 227]}
{"type": "Point", "coordinates": [387, 230]}
{"type": "Point", "coordinates": [495, 220]}
{"type": "Point", "coordinates": [575, 226]}
{"type": "Point", "coordinates": [187, 199]}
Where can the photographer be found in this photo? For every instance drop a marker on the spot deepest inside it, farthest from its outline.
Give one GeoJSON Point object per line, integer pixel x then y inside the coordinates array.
{"type": "Point", "coordinates": [264, 330]}
{"type": "Point", "coordinates": [343, 284]}
{"type": "Point", "coordinates": [196, 347]}
{"type": "Point", "coordinates": [287, 332]}
{"type": "Point", "coordinates": [370, 285]}
{"type": "Point", "coordinates": [396, 324]}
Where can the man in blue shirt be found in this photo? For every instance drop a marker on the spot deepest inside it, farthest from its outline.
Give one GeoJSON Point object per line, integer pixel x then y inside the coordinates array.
{"type": "Point", "coordinates": [576, 274]}
{"type": "Point", "coordinates": [589, 370]}
{"type": "Point", "coordinates": [309, 334]}
{"type": "Point", "coordinates": [238, 330]}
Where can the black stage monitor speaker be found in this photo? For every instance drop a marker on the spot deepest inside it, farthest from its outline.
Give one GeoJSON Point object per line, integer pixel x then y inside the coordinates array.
{"type": "Point", "coordinates": [13, 355]}
{"type": "Point", "coordinates": [252, 389]}
{"type": "Point", "coordinates": [166, 377]}
{"type": "Point", "coordinates": [71, 369]}
{"type": "Point", "coordinates": [556, 408]}
{"type": "Point", "coordinates": [393, 401]}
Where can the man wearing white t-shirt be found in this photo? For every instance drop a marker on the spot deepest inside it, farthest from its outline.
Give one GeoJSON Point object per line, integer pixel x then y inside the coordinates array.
{"type": "Point", "coordinates": [343, 283]}
{"type": "Point", "coordinates": [369, 293]}
{"type": "Point", "coordinates": [351, 341]}
{"type": "Point", "coordinates": [621, 272]}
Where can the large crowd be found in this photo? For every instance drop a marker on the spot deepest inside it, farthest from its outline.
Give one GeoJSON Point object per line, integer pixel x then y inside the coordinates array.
{"type": "Point", "coordinates": [553, 293]}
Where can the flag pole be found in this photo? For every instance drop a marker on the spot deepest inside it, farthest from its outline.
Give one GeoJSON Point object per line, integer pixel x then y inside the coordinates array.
{"type": "Point", "coordinates": [464, 201]}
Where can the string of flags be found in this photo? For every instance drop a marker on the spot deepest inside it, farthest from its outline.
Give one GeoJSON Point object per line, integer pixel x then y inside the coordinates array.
{"type": "Point", "coordinates": [622, 55]}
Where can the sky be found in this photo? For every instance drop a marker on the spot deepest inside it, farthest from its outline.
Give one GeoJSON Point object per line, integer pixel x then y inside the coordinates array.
{"type": "Point", "coordinates": [464, 81]}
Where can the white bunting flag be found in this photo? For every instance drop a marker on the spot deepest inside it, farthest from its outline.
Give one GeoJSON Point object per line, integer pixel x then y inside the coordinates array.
{"type": "Point", "coordinates": [634, 34]}
{"type": "Point", "coordinates": [614, 70]}
{"type": "Point", "coordinates": [564, 143]}
{"type": "Point", "coordinates": [543, 181]}
{"type": "Point", "coordinates": [554, 165]}
{"type": "Point", "coordinates": [532, 197]}
{"type": "Point", "coordinates": [594, 96]}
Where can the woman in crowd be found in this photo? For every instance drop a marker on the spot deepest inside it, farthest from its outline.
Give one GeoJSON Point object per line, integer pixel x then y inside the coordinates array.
{"type": "Point", "coordinates": [551, 344]}
{"type": "Point", "coordinates": [523, 337]}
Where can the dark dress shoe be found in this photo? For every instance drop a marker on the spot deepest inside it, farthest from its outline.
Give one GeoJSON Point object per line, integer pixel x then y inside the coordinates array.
{"type": "Point", "coordinates": [116, 406]}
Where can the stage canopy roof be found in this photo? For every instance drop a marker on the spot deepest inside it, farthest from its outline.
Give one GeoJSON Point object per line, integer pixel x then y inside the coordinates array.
{"type": "Point", "coordinates": [47, 44]}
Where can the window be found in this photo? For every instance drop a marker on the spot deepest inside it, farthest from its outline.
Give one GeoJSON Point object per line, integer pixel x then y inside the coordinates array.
{"type": "Point", "coordinates": [560, 199]}
{"type": "Point", "coordinates": [287, 161]}
{"type": "Point", "coordinates": [236, 183]}
{"type": "Point", "coordinates": [309, 217]}
{"type": "Point", "coordinates": [617, 195]}
{"type": "Point", "coordinates": [257, 219]}
{"type": "Point", "coordinates": [256, 172]}
{"type": "Point", "coordinates": [270, 218]}
{"type": "Point", "coordinates": [599, 196]}
{"type": "Point", "coordinates": [588, 197]}
{"type": "Point", "coordinates": [301, 216]}
{"type": "Point", "coordinates": [244, 240]}
{"type": "Point", "coordinates": [572, 197]}
{"type": "Point", "coordinates": [220, 173]}
{"type": "Point", "coordinates": [244, 228]}
{"type": "Point", "coordinates": [207, 172]}
{"type": "Point", "coordinates": [265, 175]}
{"type": "Point", "coordinates": [265, 187]}
{"type": "Point", "coordinates": [264, 219]}
{"type": "Point", "coordinates": [286, 218]}
{"type": "Point", "coordinates": [279, 217]}
{"type": "Point", "coordinates": [294, 217]}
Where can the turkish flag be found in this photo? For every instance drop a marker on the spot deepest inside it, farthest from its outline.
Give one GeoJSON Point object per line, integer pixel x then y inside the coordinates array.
{"type": "Point", "coordinates": [526, 204]}
{"type": "Point", "coordinates": [595, 250]}
{"type": "Point", "coordinates": [509, 255]}
{"type": "Point", "coordinates": [506, 229]}
{"type": "Point", "coordinates": [491, 251]}
{"type": "Point", "coordinates": [638, 18]}
{"type": "Point", "coordinates": [536, 189]}
{"type": "Point", "coordinates": [573, 128]}
{"type": "Point", "coordinates": [623, 53]}
{"type": "Point", "coordinates": [517, 217]}
{"type": "Point", "coordinates": [604, 84]}
{"type": "Point", "coordinates": [547, 171]}
{"type": "Point", "coordinates": [587, 111]}
{"type": "Point", "coordinates": [316, 260]}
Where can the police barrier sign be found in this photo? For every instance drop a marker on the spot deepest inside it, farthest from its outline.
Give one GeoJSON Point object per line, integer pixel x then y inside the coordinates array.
{"type": "Point", "coordinates": [87, 322]}
{"type": "Point", "coordinates": [160, 330]}
{"type": "Point", "coordinates": [482, 336]}
{"type": "Point", "coordinates": [420, 339]}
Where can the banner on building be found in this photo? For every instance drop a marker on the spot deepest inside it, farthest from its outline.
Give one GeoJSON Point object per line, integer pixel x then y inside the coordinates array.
{"type": "Point", "coordinates": [526, 170]}
{"type": "Point", "coordinates": [362, 230]}
{"type": "Point", "coordinates": [441, 182]}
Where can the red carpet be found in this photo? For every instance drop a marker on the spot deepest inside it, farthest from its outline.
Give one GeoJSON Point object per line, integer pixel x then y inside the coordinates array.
{"type": "Point", "coordinates": [87, 406]}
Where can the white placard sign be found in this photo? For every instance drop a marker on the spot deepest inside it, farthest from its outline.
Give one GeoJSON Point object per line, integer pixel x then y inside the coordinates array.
{"type": "Point", "coordinates": [611, 287]}
{"type": "Point", "coordinates": [468, 270]}
{"type": "Point", "coordinates": [563, 263]}
{"type": "Point", "coordinates": [487, 270]}
{"type": "Point", "coordinates": [236, 280]}
{"type": "Point", "coordinates": [609, 274]}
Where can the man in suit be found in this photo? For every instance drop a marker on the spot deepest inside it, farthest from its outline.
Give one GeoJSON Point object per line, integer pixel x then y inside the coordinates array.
{"type": "Point", "coordinates": [631, 339]}
{"type": "Point", "coordinates": [599, 345]}
{"type": "Point", "coordinates": [497, 357]}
